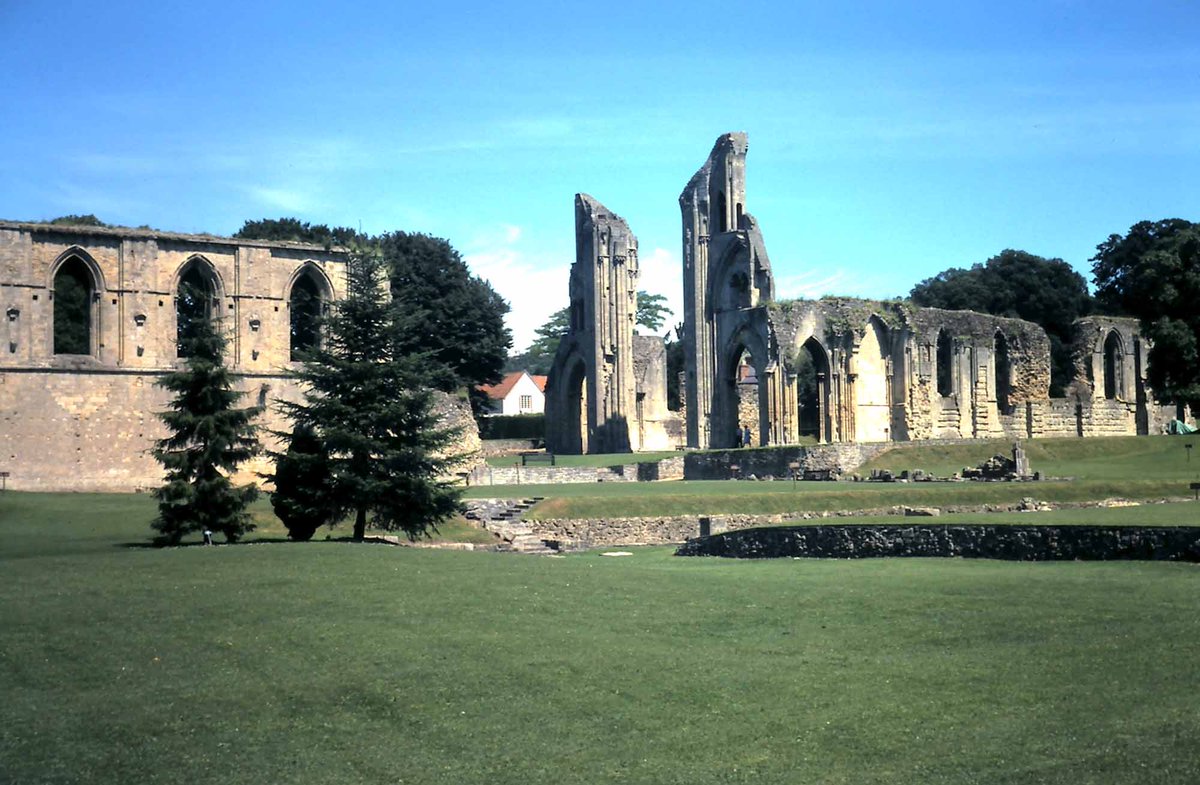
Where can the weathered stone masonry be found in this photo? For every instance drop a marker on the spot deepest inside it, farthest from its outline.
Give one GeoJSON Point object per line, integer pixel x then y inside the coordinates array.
{"type": "Point", "coordinates": [606, 391]}
{"type": "Point", "coordinates": [85, 420]}
{"type": "Point", "coordinates": [884, 371]}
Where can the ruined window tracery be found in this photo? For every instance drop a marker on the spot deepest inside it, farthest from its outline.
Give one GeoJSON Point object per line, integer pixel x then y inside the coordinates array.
{"type": "Point", "coordinates": [305, 308]}
{"type": "Point", "coordinates": [945, 365]}
{"type": "Point", "coordinates": [195, 302]}
{"type": "Point", "coordinates": [1003, 367]}
{"type": "Point", "coordinates": [73, 302]}
{"type": "Point", "coordinates": [1114, 366]}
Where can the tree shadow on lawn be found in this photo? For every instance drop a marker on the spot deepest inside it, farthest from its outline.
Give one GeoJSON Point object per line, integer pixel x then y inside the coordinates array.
{"type": "Point", "coordinates": [152, 545]}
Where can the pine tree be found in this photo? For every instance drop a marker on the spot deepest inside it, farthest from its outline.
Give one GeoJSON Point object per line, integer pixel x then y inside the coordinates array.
{"type": "Point", "coordinates": [366, 396]}
{"type": "Point", "coordinates": [209, 438]}
{"type": "Point", "coordinates": [303, 497]}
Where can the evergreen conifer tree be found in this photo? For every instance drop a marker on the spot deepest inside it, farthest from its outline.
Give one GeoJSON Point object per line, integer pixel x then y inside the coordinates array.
{"type": "Point", "coordinates": [209, 438]}
{"type": "Point", "coordinates": [367, 398]}
{"type": "Point", "coordinates": [303, 498]}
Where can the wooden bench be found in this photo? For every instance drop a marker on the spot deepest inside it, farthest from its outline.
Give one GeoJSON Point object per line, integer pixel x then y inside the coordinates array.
{"type": "Point", "coordinates": [537, 457]}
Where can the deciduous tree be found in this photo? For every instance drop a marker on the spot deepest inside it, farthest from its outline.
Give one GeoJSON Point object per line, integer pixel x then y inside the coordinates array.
{"type": "Point", "coordinates": [538, 358]}
{"type": "Point", "coordinates": [458, 319]}
{"type": "Point", "coordinates": [652, 310]}
{"type": "Point", "coordinates": [1153, 273]}
{"type": "Point", "coordinates": [296, 231]}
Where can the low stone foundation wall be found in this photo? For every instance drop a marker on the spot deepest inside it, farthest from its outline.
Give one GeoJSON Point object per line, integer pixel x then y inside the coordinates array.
{"type": "Point", "coordinates": [490, 448]}
{"type": "Point", "coordinates": [775, 461]}
{"type": "Point", "coordinates": [666, 469]}
{"type": "Point", "coordinates": [550, 475]}
{"type": "Point", "coordinates": [1016, 543]}
{"type": "Point", "coordinates": [661, 530]}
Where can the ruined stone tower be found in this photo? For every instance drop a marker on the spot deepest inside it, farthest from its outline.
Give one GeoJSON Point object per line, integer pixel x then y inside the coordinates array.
{"type": "Point", "coordinates": [591, 392]}
{"type": "Point", "coordinates": [726, 278]}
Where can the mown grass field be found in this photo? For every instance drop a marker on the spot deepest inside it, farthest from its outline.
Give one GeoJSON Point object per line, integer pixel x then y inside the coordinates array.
{"type": "Point", "coordinates": [1137, 468]}
{"type": "Point", "coordinates": [328, 662]}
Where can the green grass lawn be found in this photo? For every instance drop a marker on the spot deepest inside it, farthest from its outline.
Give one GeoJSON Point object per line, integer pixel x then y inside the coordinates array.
{"type": "Point", "coordinates": [1139, 468]}
{"type": "Point", "coordinates": [329, 662]}
{"type": "Point", "coordinates": [35, 522]}
{"type": "Point", "coordinates": [1100, 458]}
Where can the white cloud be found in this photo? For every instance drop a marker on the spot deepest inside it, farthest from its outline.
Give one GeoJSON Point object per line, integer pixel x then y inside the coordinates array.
{"type": "Point", "coordinates": [662, 273]}
{"type": "Point", "coordinates": [534, 286]}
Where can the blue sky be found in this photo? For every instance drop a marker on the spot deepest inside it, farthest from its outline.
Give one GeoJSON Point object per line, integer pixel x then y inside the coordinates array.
{"type": "Point", "coordinates": [887, 141]}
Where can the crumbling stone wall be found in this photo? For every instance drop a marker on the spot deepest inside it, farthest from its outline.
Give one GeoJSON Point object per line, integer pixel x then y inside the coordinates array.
{"type": "Point", "coordinates": [1014, 543]}
{"type": "Point", "coordinates": [607, 389]}
{"type": "Point", "coordinates": [651, 415]}
{"type": "Point", "coordinates": [86, 422]}
{"type": "Point", "coordinates": [885, 371]}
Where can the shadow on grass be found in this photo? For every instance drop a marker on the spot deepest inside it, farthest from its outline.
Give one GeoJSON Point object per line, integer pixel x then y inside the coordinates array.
{"type": "Point", "coordinates": [153, 545]}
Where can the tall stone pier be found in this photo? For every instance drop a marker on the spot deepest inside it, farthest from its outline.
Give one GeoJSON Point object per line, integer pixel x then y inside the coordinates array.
{"type": "Point", "coordinates": [591, 394]}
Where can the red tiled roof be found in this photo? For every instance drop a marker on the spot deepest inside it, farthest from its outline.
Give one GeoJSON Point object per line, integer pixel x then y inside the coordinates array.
{"type": "Point", "coordinates": [540, 381]}
{"type": "Point", "coordinates": [500, 390]}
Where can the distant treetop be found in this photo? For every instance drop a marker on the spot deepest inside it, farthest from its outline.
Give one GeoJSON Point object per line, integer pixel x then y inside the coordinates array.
{"type": "Point", "coordinates": [78, 220]}
{"type": "Point", "coordinates": [296, 231]}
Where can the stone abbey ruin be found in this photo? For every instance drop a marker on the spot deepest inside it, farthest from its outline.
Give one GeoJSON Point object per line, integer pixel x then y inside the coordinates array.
{"type": "Point", "coordinates": [77, 406]}
{"type": "Point", "coordinates": [837, 369]}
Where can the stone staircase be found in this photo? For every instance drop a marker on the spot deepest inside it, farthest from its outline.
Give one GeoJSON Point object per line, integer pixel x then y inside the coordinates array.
{"type": "Point", "coordinates": [947, 424]}
{"type": "Point", "coordinates": [502, 517]}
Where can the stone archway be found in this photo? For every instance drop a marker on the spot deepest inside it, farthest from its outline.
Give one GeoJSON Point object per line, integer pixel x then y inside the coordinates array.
{"type": "Point", "coordinates": [872, 393]}
{"type": "Point", "coordinates": [73, 293]}
{"type": "Point", "coordinates": [1114, 366]}
{"type": "Point", "coordinates": [197, 299]}
{"type": "Point", "coordinates": [812, 391]}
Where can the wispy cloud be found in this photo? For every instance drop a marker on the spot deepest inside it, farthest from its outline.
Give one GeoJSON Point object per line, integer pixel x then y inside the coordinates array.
{"type": "Point", "coordinates": [811, 285]}
{"type": "Point", "coordinates": [288, 199]}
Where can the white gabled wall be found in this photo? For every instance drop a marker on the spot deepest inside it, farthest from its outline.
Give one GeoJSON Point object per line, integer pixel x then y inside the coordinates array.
{"type": "Point", "coordinates": [524, 386]}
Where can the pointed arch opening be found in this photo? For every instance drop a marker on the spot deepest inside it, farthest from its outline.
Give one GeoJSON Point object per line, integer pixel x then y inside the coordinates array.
{"type": "Point", "coordinates": [196, 301]}
{"type": "Point", "coordinates": [812, 391]}
{"type": "Point", "coordinates": [308, 302]}
{"type": "Point", "coordinates": [74, 293]}
{"type": "Point", "coordinates": [741, 397]}
{"type": "Point", "coordinates": [575, 434]}
{"type": "Point", "coordinates": [945, 365]}
{"type": "Point", "coordinates": [1003, 366]}
{"type": "Point", "coordinates": [872, 385]}
{"type": "Point", "coordinates": [1114, 366]}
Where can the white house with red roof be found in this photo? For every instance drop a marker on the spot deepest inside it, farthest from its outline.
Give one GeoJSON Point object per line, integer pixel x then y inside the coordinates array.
{"type": "Point", "coordinates": [517, 393]}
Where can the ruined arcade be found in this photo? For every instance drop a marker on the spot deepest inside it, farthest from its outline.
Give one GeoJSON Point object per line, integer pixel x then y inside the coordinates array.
{"type": "Point", "coordinates": [836, 369]}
